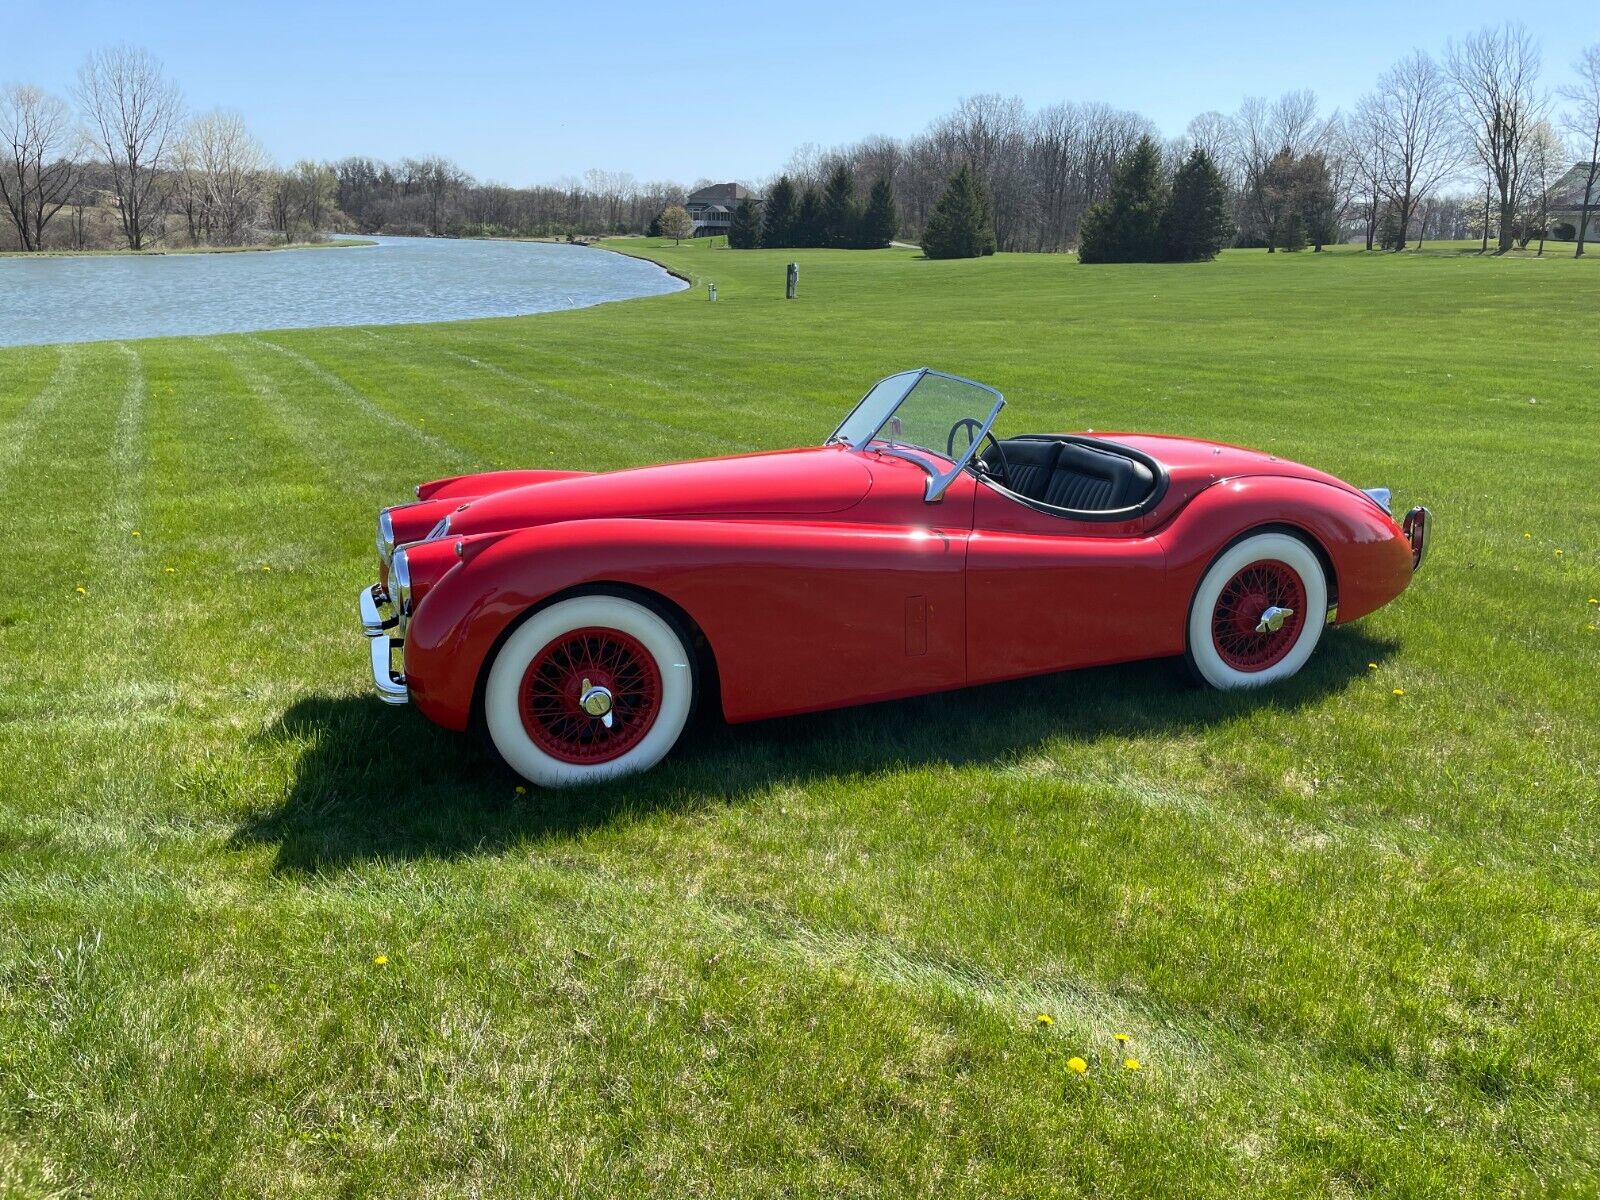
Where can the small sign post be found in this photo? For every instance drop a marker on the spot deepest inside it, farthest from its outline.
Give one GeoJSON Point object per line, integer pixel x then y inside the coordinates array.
{"type": "Point", "coordinates": [711, 291]}
{"type": "Point", "coordinates": [793, 283]}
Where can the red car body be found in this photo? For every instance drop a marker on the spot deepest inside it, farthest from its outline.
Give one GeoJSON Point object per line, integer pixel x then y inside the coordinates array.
{"type": "Point", "coordinates": [822, 577]}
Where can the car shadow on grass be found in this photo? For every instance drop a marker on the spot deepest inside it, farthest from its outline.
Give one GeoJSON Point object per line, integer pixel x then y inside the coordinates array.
{"type": "Point", "coordinates": [376, 783]}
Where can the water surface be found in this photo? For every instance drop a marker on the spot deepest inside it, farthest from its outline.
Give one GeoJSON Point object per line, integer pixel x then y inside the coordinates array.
{"type": "Point", "coordinates": [398, 280]}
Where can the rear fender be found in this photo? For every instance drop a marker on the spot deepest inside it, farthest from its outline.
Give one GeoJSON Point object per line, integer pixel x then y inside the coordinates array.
{"type": "Point", "coordinates": [1369, 556]}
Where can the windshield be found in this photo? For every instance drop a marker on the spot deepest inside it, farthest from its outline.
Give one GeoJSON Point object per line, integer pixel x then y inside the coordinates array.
{"type": "Point", "coordinates": [923, 410]}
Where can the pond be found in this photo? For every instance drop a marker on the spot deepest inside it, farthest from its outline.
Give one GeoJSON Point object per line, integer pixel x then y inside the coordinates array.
{"type": "Point", "coordinates": [400, 279]}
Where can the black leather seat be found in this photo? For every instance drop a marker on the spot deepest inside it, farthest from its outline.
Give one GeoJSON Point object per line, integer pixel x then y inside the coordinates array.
{"type": "Point", "coordinates": [1029, 465]}
{"type": "Point", "coordinates": [1073, 476]}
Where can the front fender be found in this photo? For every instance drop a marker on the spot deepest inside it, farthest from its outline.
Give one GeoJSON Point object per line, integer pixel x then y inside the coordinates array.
{"type": "Point", "coordinates": [1370, 557]}
{"type": "Point", "coordinates": [799, 616]}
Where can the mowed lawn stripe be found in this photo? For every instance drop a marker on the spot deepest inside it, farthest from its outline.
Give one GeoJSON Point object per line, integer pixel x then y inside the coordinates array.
{"type": "Point", "coordinates": [27, 416]}
{"type": "Point", "coordinates": [338, 387]}
{"type": "Point", "coordinates": [455, 394]}
{"type": "Point", "coordinates": [614, 416]}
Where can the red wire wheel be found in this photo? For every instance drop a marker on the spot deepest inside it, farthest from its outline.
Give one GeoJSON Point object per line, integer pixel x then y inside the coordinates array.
{"type": "Point", "coordinates": [553, 687]}
{"type": "Point", "coordinates": [1254, 589]}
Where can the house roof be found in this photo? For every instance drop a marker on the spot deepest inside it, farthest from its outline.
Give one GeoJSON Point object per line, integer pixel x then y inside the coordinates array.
{"type": "Point", "coordinates": [1567, 192]}
{"type": "Point", "coordinates": [727, 194]}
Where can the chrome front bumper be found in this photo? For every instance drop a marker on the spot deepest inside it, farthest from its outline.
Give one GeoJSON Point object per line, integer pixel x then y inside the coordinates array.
{"type": "Point", "coordinates": [391, 684]}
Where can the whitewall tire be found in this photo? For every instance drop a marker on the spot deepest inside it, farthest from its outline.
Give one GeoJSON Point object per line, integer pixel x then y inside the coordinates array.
{"type": "Point", "coordinates": [588, 689]}
{"type": "Point", "coordinates": [1258, 612]}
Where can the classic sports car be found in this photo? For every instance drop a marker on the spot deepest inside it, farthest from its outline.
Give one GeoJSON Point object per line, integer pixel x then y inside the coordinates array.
{"type": "Point", "coordinates": [576, 618]}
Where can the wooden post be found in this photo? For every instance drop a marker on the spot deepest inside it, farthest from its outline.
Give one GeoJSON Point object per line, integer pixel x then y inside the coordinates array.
{"type": "Point", "coordinates": [793, 283]}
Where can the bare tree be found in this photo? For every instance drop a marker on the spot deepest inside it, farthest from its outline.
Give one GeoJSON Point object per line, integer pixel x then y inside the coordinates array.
{"type": "Point", "coordinates": [1410, 124]}
{"type": "Point", "coordinates": [1544, 160]}
{"type": "Point", "coordinates": [1215, 134]}
{"type": "Point", "coordinates": [134, 115]}
{"type": "Point", "coordinates": [233, 165]}
{"type": "Point", "coordinates": [1496, 74]}
{"type": "Point", "coordinates": [1583, 123]}
{"type": "Point", "coordinates": [38, 160]}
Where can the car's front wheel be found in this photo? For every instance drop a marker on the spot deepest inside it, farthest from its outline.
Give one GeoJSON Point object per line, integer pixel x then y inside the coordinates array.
{"type": "Point", "coordinates": [1258, 612]}
{"type": "Point", "coordinates": [590, 688]}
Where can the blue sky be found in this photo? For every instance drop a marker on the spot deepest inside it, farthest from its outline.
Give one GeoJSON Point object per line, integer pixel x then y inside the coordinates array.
{"type": "Point", "coordinates": [530, 92]}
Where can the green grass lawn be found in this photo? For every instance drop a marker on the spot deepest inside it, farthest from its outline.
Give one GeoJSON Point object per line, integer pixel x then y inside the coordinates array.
{"type": "Point", "coordinates": [260, 934]}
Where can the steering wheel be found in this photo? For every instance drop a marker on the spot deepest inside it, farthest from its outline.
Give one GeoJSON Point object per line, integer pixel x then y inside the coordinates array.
{"type": "Point", "coordinates": [998, 470]}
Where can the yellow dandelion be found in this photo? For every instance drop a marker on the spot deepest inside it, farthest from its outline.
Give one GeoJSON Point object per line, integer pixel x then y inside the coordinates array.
{"type": "Point", "coordinates": [521, 791]}
{"type": "Point", "coordinates": [170, 570]}
{"type": "Point", "coordinates": [82, 591]}
{"type": "Point", "coordinates": [1560, 553]}
{"type": "Point", "coordinates": [1077, 1065]}
{"type": "Point", "coordinates": [1526, 536]}
{"type": "Point", "coordinates": [1121, 1037]}
{"type": "Point", "coordinates": [1372, 666]}
{"type": "Point", "coordinates": [1594, 600]}
{"type": "Point", "coordinates": [1131, 1064]}
{"type": "Point", "coordinates": [380, 960]}
{"type": "Point", "coordinates": [1045, 1019]}
{"type": "Point", "coordinates": [1399, 691]}
{"type": "Point", "coordinates": [264, 567]}
{"type": "Point", "coordinates": [136, 533]}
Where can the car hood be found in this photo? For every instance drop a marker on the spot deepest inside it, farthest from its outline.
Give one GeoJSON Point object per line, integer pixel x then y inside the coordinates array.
{"type": "Point", "coordinates": [778, 483]}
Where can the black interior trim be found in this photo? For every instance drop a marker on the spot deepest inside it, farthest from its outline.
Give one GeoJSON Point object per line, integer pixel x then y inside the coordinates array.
{"type": "Point", "coordinates": [1017, 457]}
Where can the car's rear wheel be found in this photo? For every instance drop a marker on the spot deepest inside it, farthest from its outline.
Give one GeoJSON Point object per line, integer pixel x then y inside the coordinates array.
{"type": "Point", "coordinates": [1258, 612]}
{"type": "Point", "coordinates": [590, 688]}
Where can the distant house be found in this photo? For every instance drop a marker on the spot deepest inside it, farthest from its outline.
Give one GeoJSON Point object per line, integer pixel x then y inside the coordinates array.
{"type": "Point", "coordinates": [711, 208]}
{"type": "Point", "coordinates": [1567, 200]}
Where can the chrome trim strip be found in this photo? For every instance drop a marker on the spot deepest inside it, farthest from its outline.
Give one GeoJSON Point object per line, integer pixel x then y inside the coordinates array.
{"type": "Point", "coordinates": [400, 585]}
{"type": "Point", "coordinates": [391, 684]}
{"type": "Point", "coordinates": [385, 535]}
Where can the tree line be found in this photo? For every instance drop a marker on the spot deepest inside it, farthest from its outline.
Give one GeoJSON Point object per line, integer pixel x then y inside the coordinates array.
{"type": "Point", "coordinates": [1469, 143]}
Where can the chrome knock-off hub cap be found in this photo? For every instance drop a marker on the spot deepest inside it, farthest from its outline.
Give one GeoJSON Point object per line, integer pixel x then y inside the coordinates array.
{"type": "Point", "coordinates": [596, 701]}
{"type": "Point", "coordinates": [1272, 619]}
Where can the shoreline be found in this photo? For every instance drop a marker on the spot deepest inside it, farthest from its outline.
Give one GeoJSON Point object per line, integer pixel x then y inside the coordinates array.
{"type": "Point", "coordinates": [341, 243]}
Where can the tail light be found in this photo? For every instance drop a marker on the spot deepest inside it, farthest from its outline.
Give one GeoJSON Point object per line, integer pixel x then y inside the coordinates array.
{"type": "Point", "coordinates": [1415, 527]}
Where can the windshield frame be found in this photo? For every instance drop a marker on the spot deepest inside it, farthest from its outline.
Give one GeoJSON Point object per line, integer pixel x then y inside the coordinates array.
{"type": "Point", "coordinates": [938, 480]}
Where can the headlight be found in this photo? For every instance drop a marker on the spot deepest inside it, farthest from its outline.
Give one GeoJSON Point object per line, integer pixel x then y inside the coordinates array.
{"type": "Point", "coordinates": [385, 535]}
{"type": "Point", "coordinates": [400, 584]}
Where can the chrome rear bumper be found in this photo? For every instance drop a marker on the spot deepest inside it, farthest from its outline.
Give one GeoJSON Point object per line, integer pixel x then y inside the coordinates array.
{"type": "Point", "coordinates": [391, 684]}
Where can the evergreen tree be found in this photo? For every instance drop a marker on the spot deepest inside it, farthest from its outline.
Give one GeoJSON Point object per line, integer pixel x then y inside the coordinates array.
{"type": "Point", "coordinates": [839, 214]}
{"type": "Point", "coordinates": [961, 225]}
{"type": "Point", "coordinates": [808, 229]}
{"type": "Point", "coordinates": [654, 228]}
{"type": "Point", "coordinates": [1392, 233]}
{"type": "Point", "coordinates": [1197, 222]}
{"type": "Point", "coordinates": [1126, 227]}
{"type": "Point", "coordinates": [778, 214]}
{"type": "Point", "coordinates": [880, 222]}
{"type": "Point", "coordinates": [1317, 207]}
{"type": "Point", "coordinates": [744, 231]}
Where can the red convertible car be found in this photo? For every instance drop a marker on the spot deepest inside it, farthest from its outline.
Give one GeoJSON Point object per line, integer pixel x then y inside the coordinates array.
{"type": "Point", "coordinates": [577, 617]}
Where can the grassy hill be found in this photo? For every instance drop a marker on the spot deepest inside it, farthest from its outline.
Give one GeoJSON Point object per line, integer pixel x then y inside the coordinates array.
{"type": "Point", "coordinates": [261, 935]}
